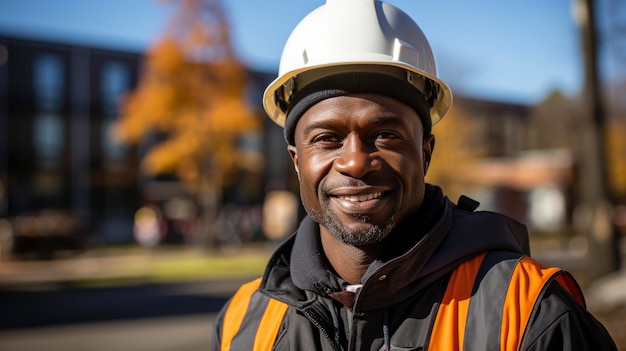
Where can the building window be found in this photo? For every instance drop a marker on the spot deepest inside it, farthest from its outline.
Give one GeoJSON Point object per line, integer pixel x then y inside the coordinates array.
{"type": "Point", "coordinates": [114, 81]}
{"type": "Point", "coordinates": [49, 139]}
{"type": "Point", "coordinates": [48, 130]}
{"type": "Point", "coordinates": [48, 82]}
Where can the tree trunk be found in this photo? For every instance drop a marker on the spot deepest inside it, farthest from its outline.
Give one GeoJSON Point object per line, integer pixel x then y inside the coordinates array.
{"type": "Point", "coordinates": [603, 255]}
{"type": "Point", "coordinates": [209, 201]}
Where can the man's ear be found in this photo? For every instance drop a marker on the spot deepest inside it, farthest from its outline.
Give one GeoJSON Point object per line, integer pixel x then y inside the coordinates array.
{"type": "Point", "coordinates": [293, 153]}
{"type": "Point", "coordinates": [428, 146]}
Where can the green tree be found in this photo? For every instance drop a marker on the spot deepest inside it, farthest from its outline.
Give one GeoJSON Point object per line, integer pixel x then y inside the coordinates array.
{"type": "Point", "coordinates": [191, 100]}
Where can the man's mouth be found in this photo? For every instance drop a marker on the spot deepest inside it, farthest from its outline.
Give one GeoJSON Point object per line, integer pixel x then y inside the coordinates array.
{"type": "Point", "coordinates": [361, 198]}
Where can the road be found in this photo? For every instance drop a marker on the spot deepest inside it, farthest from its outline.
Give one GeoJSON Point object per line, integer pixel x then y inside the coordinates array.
{"type": "Point", "coordinates": [178, 333]}
{"type": "Point", "coordinates": [20, 308]}
{"type": "Point", "coordinates": [140, 317]}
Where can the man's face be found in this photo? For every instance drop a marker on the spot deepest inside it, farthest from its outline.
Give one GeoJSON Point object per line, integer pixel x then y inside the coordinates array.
{"type": "Point", "coordinates": [361, 161]}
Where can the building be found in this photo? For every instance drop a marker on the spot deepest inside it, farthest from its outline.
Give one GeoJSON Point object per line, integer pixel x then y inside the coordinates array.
{"type": "Point", "coordinates": [57, 102]}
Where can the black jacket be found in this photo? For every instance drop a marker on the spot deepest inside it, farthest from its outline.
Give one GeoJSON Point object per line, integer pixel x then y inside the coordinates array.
{"type": "Point", "coordinates": [401, 291]}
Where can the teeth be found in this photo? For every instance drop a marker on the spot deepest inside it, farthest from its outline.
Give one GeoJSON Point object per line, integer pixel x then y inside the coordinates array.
{"type": "Point", "coordinates": [359, 198]}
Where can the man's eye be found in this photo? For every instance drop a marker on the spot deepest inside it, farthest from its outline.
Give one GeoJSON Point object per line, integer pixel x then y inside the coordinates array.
{"type": "Point", "coordinates": [326, 138]}
{"type": "Point", "coordinates": [386, 135]}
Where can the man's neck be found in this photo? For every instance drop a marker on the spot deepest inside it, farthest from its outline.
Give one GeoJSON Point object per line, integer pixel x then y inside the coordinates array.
{"type": "Point", "coordinates": [349, 262]}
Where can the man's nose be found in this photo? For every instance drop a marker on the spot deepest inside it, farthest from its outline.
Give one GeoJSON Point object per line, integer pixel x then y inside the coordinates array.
{"type": "Point", "coordinates": [357, 158]}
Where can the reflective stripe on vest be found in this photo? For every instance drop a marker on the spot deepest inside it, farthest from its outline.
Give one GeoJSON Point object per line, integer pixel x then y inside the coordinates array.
{"type": "Point", "coordinates": [272, 311]}
{"type": "Point", "coordinates": [476, 310]}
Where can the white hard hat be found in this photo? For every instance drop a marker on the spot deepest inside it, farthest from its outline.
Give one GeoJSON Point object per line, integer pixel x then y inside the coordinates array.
{"type": "Point", "coordinates": [352, 36]}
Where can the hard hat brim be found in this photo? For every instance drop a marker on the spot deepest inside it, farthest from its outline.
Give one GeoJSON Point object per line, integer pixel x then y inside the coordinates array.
{"type": "Point", "coordinates": [438, 108]}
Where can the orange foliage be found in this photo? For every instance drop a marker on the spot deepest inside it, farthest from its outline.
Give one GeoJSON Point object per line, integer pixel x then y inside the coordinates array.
{"type": "Point", "coordinates": [456, 148]}
{"type": "Point", "coordinates": [191, 96]}
{"type": "Point", "coordinates": [616, 156]}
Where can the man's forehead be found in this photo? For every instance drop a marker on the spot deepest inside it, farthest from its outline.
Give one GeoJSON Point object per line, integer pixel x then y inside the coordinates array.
{"type": "Point", "coordinates": [363, 109]}
{"type": "Point", "coordinates": [360, 103]}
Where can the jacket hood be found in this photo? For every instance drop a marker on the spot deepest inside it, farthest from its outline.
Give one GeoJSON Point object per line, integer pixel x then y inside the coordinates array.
{"type": "Point", "coordinates": [421, 249]}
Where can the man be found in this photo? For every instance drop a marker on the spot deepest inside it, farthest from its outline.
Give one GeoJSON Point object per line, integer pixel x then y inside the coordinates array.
{"type": "Point", "coordinates": [384, 261]}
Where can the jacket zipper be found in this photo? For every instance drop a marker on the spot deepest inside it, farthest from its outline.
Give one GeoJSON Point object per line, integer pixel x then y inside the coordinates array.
{"type": "Point", "coordinates": [314, 320]}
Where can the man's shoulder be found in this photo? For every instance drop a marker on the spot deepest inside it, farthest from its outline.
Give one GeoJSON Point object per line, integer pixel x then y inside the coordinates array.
{"type": "Point", "coordinates": [467, 218]}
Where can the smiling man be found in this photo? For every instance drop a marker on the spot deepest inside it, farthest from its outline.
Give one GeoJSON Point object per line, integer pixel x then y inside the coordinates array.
{"type": "Point", "coordinates": [384, 261]}
{"type": "Point", "coordinates": [361, 160]}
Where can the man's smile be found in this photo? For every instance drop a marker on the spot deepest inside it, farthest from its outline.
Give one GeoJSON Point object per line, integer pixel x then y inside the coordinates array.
{"type": "Point", "coordinates": [360, 198]}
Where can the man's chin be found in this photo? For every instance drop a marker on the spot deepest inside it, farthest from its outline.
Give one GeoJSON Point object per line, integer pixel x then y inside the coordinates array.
{"type": "Point", "coordinates": [359, 232]}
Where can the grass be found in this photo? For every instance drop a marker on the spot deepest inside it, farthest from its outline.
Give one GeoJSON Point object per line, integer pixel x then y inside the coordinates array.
{"type": "Point", "coordinates": [194, 267]}
{"type": "Point", "coordinates": [172, 266]}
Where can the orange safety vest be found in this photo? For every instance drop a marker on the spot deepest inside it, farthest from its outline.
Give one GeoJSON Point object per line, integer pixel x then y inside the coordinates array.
{"type": "Point", "coordinates": [527, 279]}
{"type": "Point", "coordinates": [238, 308]}
{"type": "Point", "coordinates": [455, 314]}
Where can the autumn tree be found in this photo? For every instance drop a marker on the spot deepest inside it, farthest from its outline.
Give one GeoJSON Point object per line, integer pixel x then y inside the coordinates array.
{"type": "Point", "coordinates": [614, 42]}
{"type": "Point", "coordinates": [616, 156]}
{"type": "Point", "coordinates": [554, 123]}
{"type": "Point", "coordinates": [603, 240]}
{"type": "Point", "coordinates": [457, 147]}
{"type": "Point", "coordinates": [190, 103]}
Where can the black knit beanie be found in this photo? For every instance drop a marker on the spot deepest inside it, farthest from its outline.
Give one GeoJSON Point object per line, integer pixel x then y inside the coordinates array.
{"type": "Point", "coordinates": [355, 83]}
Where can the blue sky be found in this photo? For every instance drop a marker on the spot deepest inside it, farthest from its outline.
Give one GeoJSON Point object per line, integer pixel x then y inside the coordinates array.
{"type": "Point", "coordinates": [515, 51]}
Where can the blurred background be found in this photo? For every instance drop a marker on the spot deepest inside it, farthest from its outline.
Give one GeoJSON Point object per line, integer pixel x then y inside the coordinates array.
{"type": "Point", "coordinates": [141, 181]}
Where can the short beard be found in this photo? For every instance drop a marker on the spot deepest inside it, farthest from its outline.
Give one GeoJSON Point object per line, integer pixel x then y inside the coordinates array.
{"type": "Point", "coordinates": [374, 233]}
